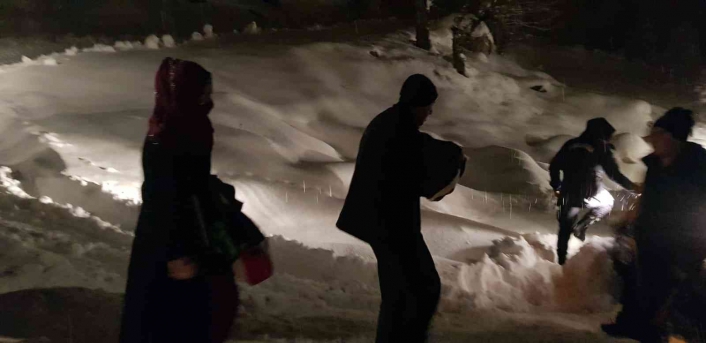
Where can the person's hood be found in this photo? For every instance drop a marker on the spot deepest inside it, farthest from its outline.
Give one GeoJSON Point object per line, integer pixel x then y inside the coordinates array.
{"type": "Point", "coordinates": [598, 129]}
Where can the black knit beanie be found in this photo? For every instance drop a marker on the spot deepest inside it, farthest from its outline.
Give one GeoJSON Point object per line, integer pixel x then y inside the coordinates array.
{"type": "Point", "coordinates": [677, 121]}
{"type": "Point", "coordinates": [418, 91]}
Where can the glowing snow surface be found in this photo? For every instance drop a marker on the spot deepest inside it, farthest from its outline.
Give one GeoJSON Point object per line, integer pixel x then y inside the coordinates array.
{"type": "Point", "coordinates": [288, 121]}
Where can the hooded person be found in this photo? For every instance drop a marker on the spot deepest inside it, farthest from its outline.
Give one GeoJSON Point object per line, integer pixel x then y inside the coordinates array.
{"type": "Point", "coordinates": [584, 161]}
{"type": "Point", "coordinates": [171, 295]}
{"type": "Point", "coordinates": [382, 208]}
{"type": "Point", "coordinates": [669, 228]}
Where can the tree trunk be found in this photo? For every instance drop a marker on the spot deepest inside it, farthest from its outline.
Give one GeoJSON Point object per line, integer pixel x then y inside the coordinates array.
{"type": "Point", "coordinates": [422, 28]}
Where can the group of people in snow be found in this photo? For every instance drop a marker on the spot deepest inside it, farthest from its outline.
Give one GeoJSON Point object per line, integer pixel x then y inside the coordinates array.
{"type": "Point", "coordinates": [175, 294]}
{"type": "Point", "coordinates": [667, 227]}
{"type": "Point", "coordinates": [181, 282]}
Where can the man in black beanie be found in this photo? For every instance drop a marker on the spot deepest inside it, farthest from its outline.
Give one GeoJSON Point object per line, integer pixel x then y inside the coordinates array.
{"type": "Point", "coordinates": [382, 209]}
{"type": "Point", "coordinates": [670, 227]}
{"type": "Point", "coordinates": [584, 161]}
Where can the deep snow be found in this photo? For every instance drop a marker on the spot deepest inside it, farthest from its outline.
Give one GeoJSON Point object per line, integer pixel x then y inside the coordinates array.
{"type": "Point", "coordinates": [288, 119]}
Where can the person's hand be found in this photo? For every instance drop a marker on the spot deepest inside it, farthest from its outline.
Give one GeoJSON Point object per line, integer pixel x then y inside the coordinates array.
{"type": "Point", "coordinates": [182, 269]}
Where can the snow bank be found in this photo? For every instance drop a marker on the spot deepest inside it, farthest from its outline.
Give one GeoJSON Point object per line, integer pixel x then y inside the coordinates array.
{"type": "Point", "coordinates": [196, 36]}
{"type": "Point", "coordinates": [208, 31]}
{"type": "Point", "coordinates": [152, 42]}
{"type": "Point", "coordinates": [123, 45]}
{"type": "Point", "coordinates": [544, 149]}
{"type": "Point", "coordinates": [252, 28]}
{"type": "Point", "coordinates": [100, 48]}
{"type": "Point", "coordinates": [168, 41]}
{"type": "Point", "coordinates": [73, 51]}
{"type": "Point", "coordinates": [50, 62]}
{"type": "Point", "coordinates": [520, 274]}
{"type": "Point", "coordinates": [503, 170]}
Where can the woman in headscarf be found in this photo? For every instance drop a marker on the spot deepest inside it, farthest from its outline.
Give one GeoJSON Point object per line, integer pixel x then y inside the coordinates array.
{"type": "Point", "coordinates": [173, 294]}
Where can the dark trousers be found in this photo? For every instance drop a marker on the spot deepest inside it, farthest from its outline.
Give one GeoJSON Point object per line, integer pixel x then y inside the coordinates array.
{"type": "Point", "coordinates": [569, 223]}
{"type": "Point", "coordinates": [410, 288]}
{"type": "Point", "coordinates": [664, 272]}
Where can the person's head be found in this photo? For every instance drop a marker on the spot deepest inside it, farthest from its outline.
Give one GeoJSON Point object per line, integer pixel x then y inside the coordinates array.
{"type": "Point", "coordinates": [599, 130]}
{"type": "Point", "coordinates": [182, 104]}
{"type": "Point", "coordinates": [670, 131]}
{"type": "Point", "coordinates": [418, 94]}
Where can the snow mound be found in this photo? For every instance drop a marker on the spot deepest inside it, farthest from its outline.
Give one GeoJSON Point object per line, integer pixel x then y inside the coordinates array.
{"type": "Point", "coordinates": [100, 48]}
{"type": "Point", "coordinates": [168, 41]}
{"type": "Point", "coordinates": [544, 149]}
{"type": "Point", "coordinates": [152, 42]}
{"type": "Point", "coordinates": [630, 148]}
{"type": "Point", "coordinates": [123, 45]}
{"type": "Point", "coordinates": [27, 60]}
{"type": "Point", "coordinates": [73, 51]}
{"type": "Point", "coordinates": [499, 169]}
{"type": "Point", "coordinates": [252, 28]}
{"type": "Point", "coordinates": [50, 62]}
{"type": "Point", "coordinates": [196, 36]}
{"type": "Point", "coordinates": [519, 274]}
{"type": "Point", "coordinates": [208, 31]}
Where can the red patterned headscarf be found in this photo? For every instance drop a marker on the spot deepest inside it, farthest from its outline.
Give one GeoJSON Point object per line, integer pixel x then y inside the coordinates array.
{"type": "Point", "coordinates": [180, 118]}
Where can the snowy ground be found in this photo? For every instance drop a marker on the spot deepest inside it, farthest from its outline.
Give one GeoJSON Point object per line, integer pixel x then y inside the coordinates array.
{"type": "Point", "coordinates": [288, 118]}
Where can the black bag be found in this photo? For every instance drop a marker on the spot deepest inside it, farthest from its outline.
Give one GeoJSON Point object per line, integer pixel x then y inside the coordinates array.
{"type": "Point", "coordinates": [444, 164]}
{"type": "Point", "coordinates": [225, 231]}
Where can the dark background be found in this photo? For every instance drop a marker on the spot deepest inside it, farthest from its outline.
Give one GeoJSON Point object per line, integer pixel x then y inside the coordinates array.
{"type": "Point", "coordinates": [659, 32]}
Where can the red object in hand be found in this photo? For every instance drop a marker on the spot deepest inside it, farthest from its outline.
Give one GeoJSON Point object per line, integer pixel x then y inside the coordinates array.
{"type": "Point", "coordinates": [253, 267]}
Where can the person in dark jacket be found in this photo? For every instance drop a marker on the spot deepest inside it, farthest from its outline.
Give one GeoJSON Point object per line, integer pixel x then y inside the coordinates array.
{"type": "Point", "coordinates": [382, 208]}
{"type": "Point", "coordinates": [584, 161]}
{"type": "Point", "coordinates": [171, 295]}
{"type": "Point", "coordinates": [670, 228]}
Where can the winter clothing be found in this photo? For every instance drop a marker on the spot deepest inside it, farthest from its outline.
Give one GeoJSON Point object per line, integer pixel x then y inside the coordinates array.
{"type": "Point", "coordinates": [671, 221]}
{"type": "Point", "coordinates": [670, 232]}
{"type": "Point", "coordinates": [418, 91]}
{"type": "Point", "coordinates": [382, 209]}
{"type": "Point", "coordinates": [584, 161]}
{"type": "Point", "coordinates": [410, 288]}
{"type": "Point", "coordinates": [180, 117]}
{"type": "Point", "coordinates": [176, 167]}
{"type": "Point", "coordinates": [677, 121]}
{"type": "Point", "coordinates": [383, 201]}
{"type": "Point", "coordinates": [598, 207]}
{"type": "Point", "coordinates": [670, 237]}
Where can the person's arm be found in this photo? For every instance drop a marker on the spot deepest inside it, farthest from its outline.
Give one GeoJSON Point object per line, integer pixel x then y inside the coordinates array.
{"type": "Point", "coordinates": [613, 171]}
{"type": "Point", "coordinates": [555, 168]}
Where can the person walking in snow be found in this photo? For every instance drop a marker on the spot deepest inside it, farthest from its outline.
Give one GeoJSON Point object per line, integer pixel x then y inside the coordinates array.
{"type": "Point", "coordinates": [382, 208]}
{"type": "Point", "coordinates": [584, 161]}
{"type": "Point", "coordinates": [171, 295]}
{"type": "Point", "coordinates": [670, 230]}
